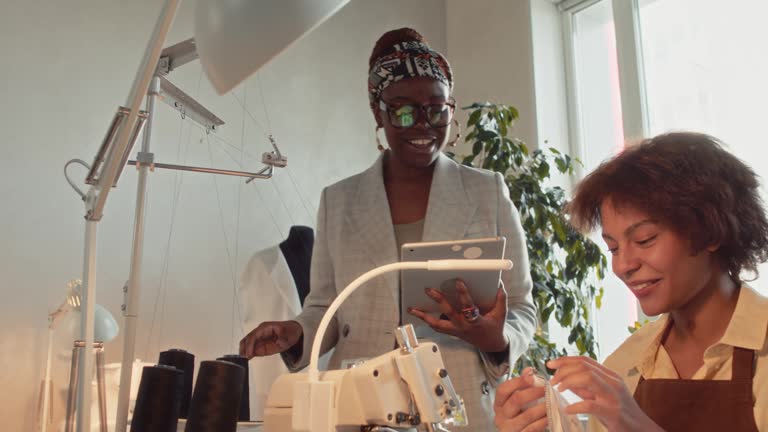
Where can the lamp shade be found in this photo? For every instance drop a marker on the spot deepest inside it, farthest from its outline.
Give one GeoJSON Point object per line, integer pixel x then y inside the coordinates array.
{"type": "Point", "coordinates": [105, 326]}
{"type": "Point", "coordinates": [235, 38]}
{"type": "Point", "coordinates": [104, 330]}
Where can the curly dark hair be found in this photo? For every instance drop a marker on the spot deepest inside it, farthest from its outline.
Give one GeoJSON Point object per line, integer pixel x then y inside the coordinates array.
{"type": "Point", "coordinates": [690, 183]}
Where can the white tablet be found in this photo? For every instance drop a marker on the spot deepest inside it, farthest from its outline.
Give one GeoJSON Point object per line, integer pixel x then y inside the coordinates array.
{"type": "Point", "coordinates": [482, 284]}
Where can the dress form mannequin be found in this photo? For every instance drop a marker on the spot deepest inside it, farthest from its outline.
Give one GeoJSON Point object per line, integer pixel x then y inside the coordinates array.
{"type": "Point", "coordinates": [297, 251]}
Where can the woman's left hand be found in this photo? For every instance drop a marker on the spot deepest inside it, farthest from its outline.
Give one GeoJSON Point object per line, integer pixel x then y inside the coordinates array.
{"type": "Point", "coordinates": [482, 329]}
{"type": "Point", "coordinates": [604, 394]}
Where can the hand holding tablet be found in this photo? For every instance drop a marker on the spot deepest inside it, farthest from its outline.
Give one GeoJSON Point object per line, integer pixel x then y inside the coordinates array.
{"type": "Point", "coordinates": [482, 285]}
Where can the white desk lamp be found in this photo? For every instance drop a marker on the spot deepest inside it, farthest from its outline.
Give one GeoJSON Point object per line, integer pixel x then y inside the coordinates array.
{"type": "Point", "coordinates": [105, 330]}
{"type": "Point", "coordinates": [236, 37]}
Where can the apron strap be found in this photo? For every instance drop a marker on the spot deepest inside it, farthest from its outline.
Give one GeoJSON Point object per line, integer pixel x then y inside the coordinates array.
{"type": "Point", "coordinates": [743, 361]}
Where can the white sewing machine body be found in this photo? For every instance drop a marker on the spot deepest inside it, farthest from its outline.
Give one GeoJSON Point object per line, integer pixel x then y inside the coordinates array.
{"type": "Point", "coordinates": [400, 389]}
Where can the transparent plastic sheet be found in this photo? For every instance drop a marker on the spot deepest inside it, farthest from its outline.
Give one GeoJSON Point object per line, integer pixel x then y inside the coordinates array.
{"type": "Point", "coordinates": [558, 419]}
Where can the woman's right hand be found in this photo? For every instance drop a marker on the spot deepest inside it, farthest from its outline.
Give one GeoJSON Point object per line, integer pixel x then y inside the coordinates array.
{"type": "Point", "coordinates": [271, 337]}
{"type": "Point", "coordinates": [518, 406]}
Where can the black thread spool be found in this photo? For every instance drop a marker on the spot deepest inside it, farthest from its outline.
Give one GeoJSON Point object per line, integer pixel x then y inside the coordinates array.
{"type": "Point", "coordinates": [158, 401]}
{"type": "Point", "coordinates": [185, 362]}
{"type": "Point", "coordinates": [245, 399]}
{"type": "Point", "coordinates": [216, 399]}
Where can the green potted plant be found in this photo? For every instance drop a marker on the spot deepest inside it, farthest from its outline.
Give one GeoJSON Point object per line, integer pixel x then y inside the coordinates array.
{"type": "Point", "coordinates": [566, 266]}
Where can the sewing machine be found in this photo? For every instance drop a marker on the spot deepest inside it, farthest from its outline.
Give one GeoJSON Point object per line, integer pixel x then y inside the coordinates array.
{"type": "Point", "coordinates": [399, 390]}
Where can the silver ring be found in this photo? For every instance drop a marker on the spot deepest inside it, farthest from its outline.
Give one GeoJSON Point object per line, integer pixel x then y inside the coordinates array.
{"type": "Point", "coordinates": [471, 314]}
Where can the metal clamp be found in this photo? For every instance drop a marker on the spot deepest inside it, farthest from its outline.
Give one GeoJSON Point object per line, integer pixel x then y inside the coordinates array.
{"type": "Point", "coordinates": [271, 160]}
{"type": "Point", "coordinates": [274, 158]}
{"type": "Point", "coordinates": [145, 158]}
{"type": "Point", "coordinates": [106, 145]}
{"type": "Point", "coordinates": [164, 65]}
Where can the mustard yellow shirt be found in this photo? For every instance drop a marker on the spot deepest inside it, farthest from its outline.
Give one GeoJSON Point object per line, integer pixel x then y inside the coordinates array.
{"type": "Point", "coordinates": [644, 355]}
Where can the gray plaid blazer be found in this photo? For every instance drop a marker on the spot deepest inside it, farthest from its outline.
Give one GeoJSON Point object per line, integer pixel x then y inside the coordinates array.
{"type": "Point", "coordinates": [355, 234]}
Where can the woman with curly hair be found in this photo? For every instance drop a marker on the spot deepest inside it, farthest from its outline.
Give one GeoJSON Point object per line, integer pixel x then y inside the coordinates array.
{"type": "Point", "coordinates": [685, 224]}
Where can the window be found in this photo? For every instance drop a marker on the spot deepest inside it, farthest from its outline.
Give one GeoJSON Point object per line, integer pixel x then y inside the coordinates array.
{"type": "Point", "coordinates": [708, 73]}
{"type": "Point", "coordinates": [644, 67]}
{"type": "Point", "coordinates": [597, 128]}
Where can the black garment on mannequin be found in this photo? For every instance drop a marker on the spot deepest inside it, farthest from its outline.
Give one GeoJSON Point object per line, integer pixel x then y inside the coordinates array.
{"type": "Point", "coordinates": [297, 250]}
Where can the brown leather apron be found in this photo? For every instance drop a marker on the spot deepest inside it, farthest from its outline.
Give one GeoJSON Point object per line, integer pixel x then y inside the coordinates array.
{"type": "Point", "coordinates": [702, 405]}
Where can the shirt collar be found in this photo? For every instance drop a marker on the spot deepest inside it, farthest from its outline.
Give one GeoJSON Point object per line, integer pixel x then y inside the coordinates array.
{"type": "Point", "coordinates": [647, 360]}
{"type": "Point", "coordinates": [747, 329]}
{"type": "Point", "coordinates": [749, 323]}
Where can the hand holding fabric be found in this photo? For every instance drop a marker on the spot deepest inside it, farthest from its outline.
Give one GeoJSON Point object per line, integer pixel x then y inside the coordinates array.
{"type": "Point", "coordinates": [519, 405]}
{"type": "Point", "coordinates": [604, 394]}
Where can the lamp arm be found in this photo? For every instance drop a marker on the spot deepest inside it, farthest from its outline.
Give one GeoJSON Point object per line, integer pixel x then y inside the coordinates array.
{"type": "Point", "coordinates": [44, 416]}
{"type": "Point", "coordinates": [434, 265]}
{"type": "Point", "coordinates": [147, 69]}
{"type": "Point", "coordinates": [53, 316]}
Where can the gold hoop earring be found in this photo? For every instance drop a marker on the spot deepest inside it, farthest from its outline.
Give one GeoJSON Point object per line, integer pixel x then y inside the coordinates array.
{"type": "Point", "coordinates": [452, 143]}
{"type": "Point", "coordinates": [378, 143]}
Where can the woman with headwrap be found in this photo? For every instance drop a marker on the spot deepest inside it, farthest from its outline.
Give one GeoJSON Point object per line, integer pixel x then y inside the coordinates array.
{"type": "Point", "coordinates": [413, 192]}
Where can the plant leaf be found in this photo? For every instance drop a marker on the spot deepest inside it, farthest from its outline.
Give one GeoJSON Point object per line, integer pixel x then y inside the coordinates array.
{"type": "Point", "coordinates": [565, 265]}
{"type": "Point", "coordinates": [477, 147]}
{"type": "Point", "coordinates": [474, 117]}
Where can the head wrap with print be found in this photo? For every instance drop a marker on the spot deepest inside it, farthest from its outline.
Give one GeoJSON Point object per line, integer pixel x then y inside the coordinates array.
{"type": "Point", "coordinates": [407, 60]}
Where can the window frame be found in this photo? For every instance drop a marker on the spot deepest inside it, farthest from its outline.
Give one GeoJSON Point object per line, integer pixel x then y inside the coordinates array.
{"type": "Point", "coordinates": [629, 52]}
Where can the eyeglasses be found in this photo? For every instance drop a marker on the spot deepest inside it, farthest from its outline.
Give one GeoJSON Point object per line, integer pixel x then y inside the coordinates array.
{"type": "Point", "coordinates": [406, 115]}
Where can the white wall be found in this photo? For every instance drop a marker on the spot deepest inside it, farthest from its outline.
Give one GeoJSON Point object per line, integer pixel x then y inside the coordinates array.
{"type": "Point", "coordinates": [490, 48]}
{"type": "Point", "coordinates": [65, 68]}
{"type": "Point", "coordinates": [511, 52]}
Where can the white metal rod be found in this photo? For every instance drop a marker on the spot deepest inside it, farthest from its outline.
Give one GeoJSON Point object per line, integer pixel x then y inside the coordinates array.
{"type": "Point", "coordinates": [135, 97]}
{"type": "Point", "coordinates": [87, 307]}
{"type": "Point", "coordinates": [250, 175]}
{"type": "Point", "coordinates": [74, 370]}
{"type": "Point", "coordinates": [132, 296]}
{"type": "Point", "coordinates": [46, 382]}
{"type": "Point", "coordinates": [100, 377]}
